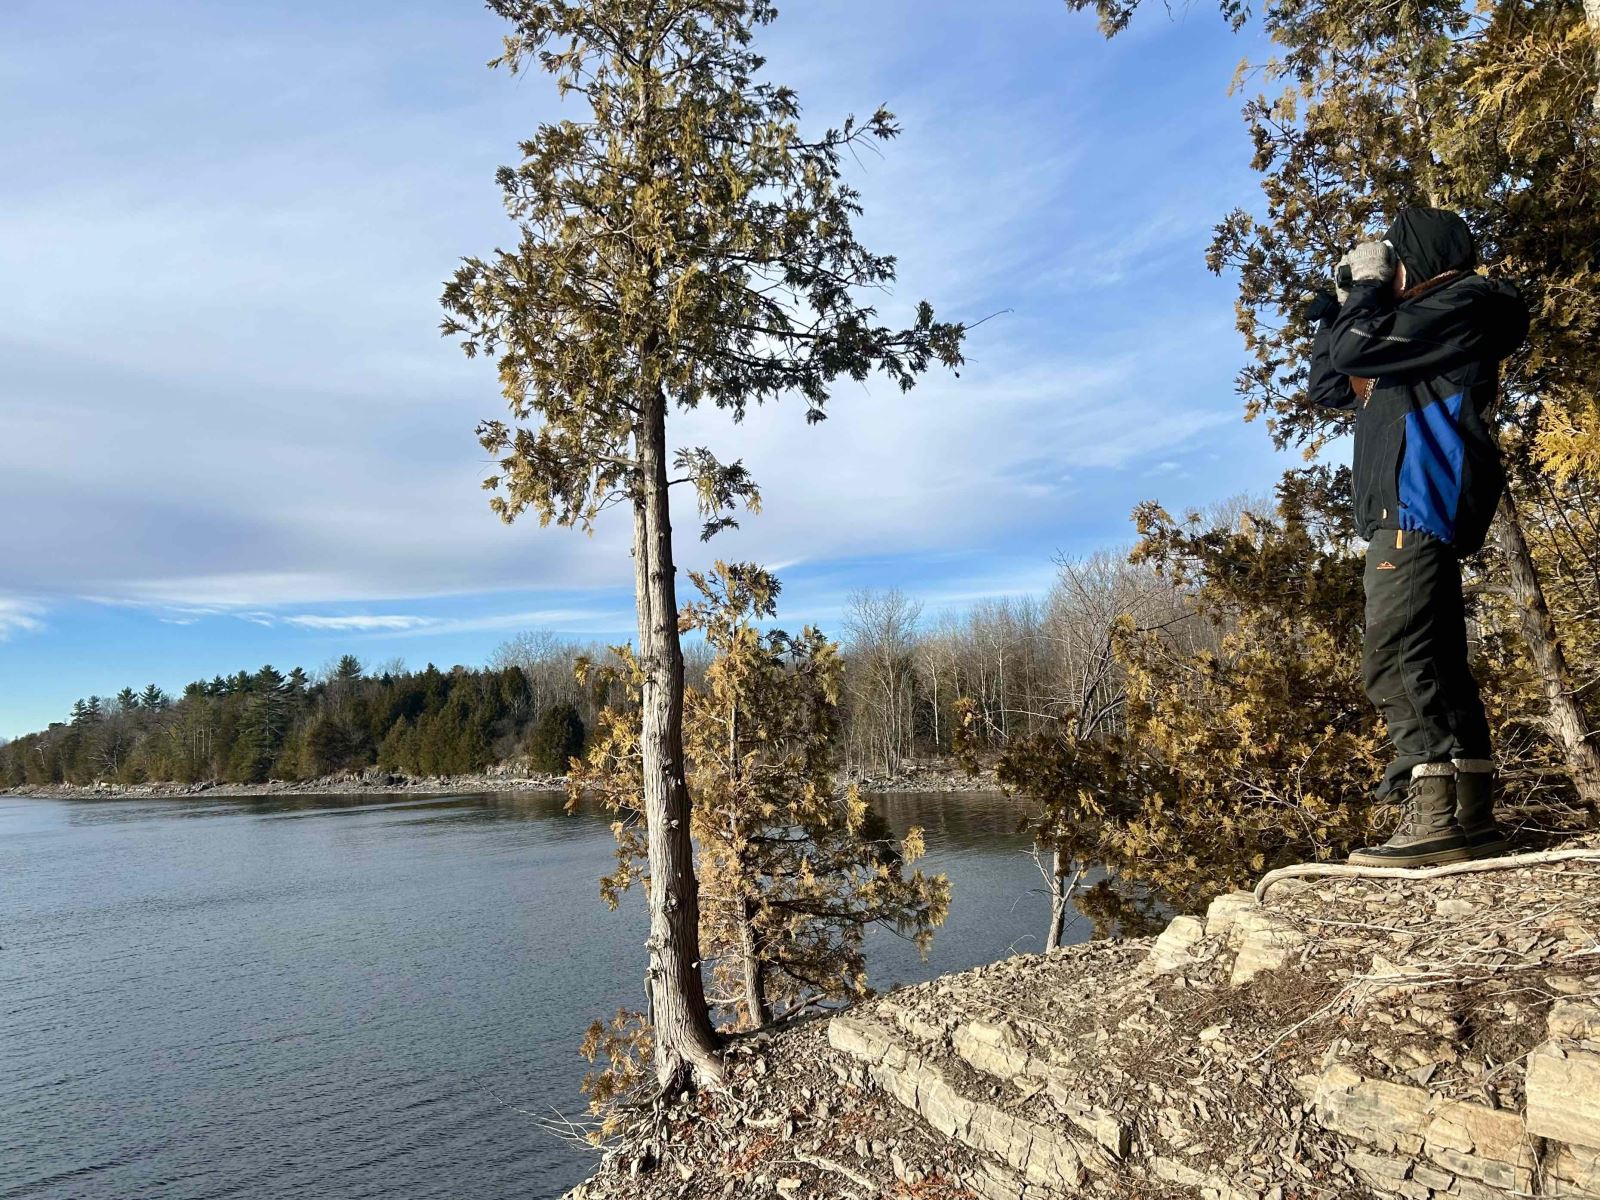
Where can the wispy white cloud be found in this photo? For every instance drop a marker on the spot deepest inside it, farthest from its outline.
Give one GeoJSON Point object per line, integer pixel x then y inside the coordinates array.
{"type": "Point", "coordinates": [19, 616]}
{"type": "Point", "coordinates": [1105, 256]}
{"type": "Point", "coordinates": [227, 405]}
{"type": "Point", "coordinates": [357, 622]}
{"type": "Point", "coordinates": [393, 625]}
{"type": "Point", "coordinates": [380, 624]}
{"type": "Point", "coordinates": [555, 619]}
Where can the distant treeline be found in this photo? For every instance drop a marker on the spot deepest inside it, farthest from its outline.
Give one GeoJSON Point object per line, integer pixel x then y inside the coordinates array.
{"type": "Point", "coordinates": [906, 678]}
{"type": "Point", "coordinates": [266, 724]}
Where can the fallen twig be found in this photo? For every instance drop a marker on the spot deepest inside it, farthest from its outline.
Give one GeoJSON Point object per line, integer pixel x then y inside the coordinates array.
{"type": "Point", "coordinates": [767, 1122]}
{"type": "Point", "coordinates": [573, 1132]}
{"type": "Point", "coordinates": [1349, 871]}
{"type": "Point", "coordinates": [827, 1164]}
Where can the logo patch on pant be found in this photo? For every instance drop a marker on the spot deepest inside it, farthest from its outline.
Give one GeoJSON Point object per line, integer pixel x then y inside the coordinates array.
{"type": "Point", "coordinates": [1387, 566]}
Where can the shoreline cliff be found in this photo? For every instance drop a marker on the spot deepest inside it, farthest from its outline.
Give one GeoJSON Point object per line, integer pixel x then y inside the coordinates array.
{"type": "Point", "coordinates": [1432, 1038]}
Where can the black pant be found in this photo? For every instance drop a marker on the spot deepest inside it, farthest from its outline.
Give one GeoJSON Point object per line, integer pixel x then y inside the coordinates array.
{"type": "Point", "coordinates": [1414, 662]}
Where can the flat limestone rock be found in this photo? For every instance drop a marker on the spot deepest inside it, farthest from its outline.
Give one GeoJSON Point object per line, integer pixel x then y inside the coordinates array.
{"type": "Point", "coordinates": [1390, 1116]}
{"type": "Point", "coordinates": [1040, 1154]}
{"type": "Point", "coordinates": [997, 1048]}
{"type": "Point", "coordinates": [1224, 914]}
{"type": "Point", "coordinates": [1575, 1021]}
{"type": "Point", "coordinates": [1175, 948]}
{"type": "Point", "coordinates": [1469, 1140]}
{"type": "Point", "coordinates": [1564, 1094]}
{"type": "Point", "coordinates": [1266, 943]}
{"type": "Point", "coordinates": [1576, 1171]}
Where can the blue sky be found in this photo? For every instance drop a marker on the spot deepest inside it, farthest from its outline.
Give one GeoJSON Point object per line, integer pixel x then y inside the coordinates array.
{"type": "Point", "coordinates": [230, 433]}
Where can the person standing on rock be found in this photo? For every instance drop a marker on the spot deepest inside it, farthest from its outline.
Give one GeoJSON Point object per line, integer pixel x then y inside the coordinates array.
{"type": "Point", "coordinates": [1413, 344]}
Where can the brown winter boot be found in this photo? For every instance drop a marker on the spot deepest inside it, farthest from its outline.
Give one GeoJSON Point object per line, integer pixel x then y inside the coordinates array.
{"type": "Point", "coordinates": [1428, 833]}
{"type": "Point", "coordinates": [1475, 807]}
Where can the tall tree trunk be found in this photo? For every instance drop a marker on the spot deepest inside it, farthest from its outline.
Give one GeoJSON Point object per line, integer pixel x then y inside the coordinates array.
{"type": "Point", "coordinates": [1568, 723]}
{"type": "Point", "coordinates": [1061, 890]}
{"type": "Point", "coordinates": [685, 1042]}
{"type": "Point", "coordinates": [755, 982]}
{"type": "Point", "coordinates": [1058, 901]}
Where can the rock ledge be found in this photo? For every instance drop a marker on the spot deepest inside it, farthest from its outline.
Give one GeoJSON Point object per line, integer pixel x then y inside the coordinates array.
{"type": "Point", "coordinates": [1427, 1039]}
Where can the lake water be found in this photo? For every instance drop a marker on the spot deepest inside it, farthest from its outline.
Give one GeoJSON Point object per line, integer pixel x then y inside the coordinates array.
{"type": "Point", "coordinates": [344, 998]}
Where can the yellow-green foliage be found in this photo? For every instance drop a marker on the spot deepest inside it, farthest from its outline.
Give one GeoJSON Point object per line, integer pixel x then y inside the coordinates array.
{"type": "Point", "coordinates": [611, 772]}
{"type": "Point", "coordinates": [1489, 111]}
{"type": "Point", "coordinates": [1246, 742]}
{"type": "Point", "coordinates": [1260, 748]}
{"type": "Point", "coordinates": [792, 872]}
{"type": "Point", "coordinates": [683, 243]}
{"type": "Point", "coordinates": [625, 1045]}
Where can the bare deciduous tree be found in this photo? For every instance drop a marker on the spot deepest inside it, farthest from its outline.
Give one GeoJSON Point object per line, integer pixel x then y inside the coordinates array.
{"type": "Point", "coordinates": [881, 630]}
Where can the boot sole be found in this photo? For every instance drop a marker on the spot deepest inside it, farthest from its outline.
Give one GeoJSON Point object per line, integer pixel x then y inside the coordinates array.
{"type": "Point", "coordinates": [1426, 858]}
{"type": "Point", "coordinates": [1492, 849]}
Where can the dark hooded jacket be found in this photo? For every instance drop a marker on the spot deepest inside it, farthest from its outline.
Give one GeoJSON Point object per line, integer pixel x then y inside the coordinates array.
{"type": "Point", "coordinates": [1425, 453]}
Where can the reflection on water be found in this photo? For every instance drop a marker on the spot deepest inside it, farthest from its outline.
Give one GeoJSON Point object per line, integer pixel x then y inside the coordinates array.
{"type": "Point", "coordinates": [348, 997]}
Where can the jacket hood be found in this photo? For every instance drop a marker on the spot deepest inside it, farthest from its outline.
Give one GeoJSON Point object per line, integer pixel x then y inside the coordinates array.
{"type": "Point", "coordinates": [1431, 241]}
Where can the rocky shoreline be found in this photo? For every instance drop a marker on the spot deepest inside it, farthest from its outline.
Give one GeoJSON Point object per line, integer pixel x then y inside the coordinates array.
{"type": "Point", "coordinates": [1406, 1038]}
{"type": "Point", "coordinates": [931, 780]}
{"type": "Point", "coordinates": [366, 783]}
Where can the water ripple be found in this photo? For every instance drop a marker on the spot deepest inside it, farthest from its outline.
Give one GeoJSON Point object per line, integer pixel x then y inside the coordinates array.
{"type": "Point", "coordinates": [294, 997]}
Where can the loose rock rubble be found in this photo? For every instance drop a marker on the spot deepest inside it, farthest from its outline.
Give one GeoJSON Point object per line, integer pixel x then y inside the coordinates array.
{"type": "Point", "coordinates": [913, 777]}
{"type": "Point", "coordinates": [1432, 1040]}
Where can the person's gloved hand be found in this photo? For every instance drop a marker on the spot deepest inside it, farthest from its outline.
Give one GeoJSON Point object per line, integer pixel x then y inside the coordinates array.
{"type": "Point", "coordinates": [1342, 280]}
{"type": "Point", "coordinates": [1321, 306]}
{"type": "Point", "coordinates": [1372, 262]}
